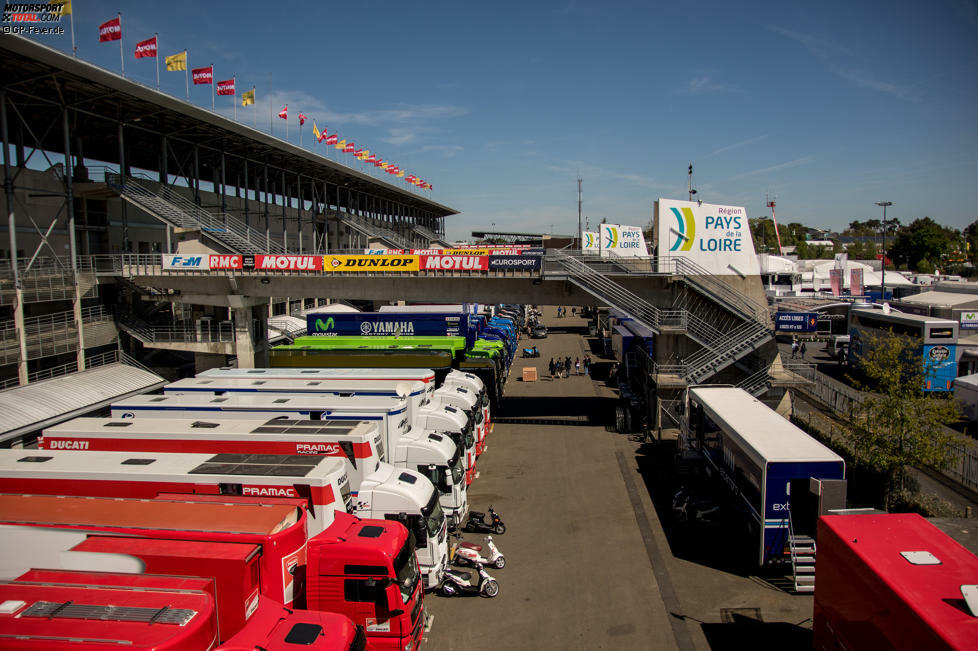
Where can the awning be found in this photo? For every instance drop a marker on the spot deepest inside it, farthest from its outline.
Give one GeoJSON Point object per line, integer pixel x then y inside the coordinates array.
{"type": "Point", "coordinates": [37, 405]}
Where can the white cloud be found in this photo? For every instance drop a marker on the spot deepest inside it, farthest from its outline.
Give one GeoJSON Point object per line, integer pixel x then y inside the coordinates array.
{"type": "Point", "coordinates": [705, 85]}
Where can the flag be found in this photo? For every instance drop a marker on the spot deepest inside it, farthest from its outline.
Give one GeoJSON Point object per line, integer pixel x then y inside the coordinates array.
{"type": "Point", "coordinates": [284, 113]}
{"type": "Point", "coordinates": [302, 119]}
{"type": "Point", "coordinates": [400, 173]}
{"type": "Point", "coordinates": [372, 159]}
{"type": "Point", "coordinates": [225, 87]}
{"type": "Point", "coordinates": [146, 48]}
{"type": "Point", "coordinates": [384, 165]}
{"type": "Point", "coordinates": [110, 31]}
{"type": "Point", "coordinates": [365, 154]}
{"type": "Point", "coordinates": [65, 8]}
{"type": "Point", "coordinates": [203, 75]}
{"type": "Point", "coordinates": [176, 62]}
{"type": "Point", "coordinates": [248, 97]}
{"type": "Point", "coordinates": [331, 140]}
{"type": "Point", "coordinates": [358, 153]}
{"type": "Point", "coordinates": [315, 132]}
{"type": "Point", "coordinates": [349, 148]}
{"type": "Point", "coordinates": [411, 178]}
{"type": "Point", "coordinates": [341, 145]}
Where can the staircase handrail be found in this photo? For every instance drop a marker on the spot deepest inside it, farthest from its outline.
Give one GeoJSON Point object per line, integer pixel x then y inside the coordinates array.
{"type": "Point", "coordinates": [697, 275]}
{"type": "Point", "coordinates": [373, 230]}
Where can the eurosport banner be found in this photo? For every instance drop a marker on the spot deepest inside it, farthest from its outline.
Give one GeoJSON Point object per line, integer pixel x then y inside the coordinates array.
{"type": "Point", "coordinates": [494, 250]}
{"type": "Point", "coordinates": [380, 262]}
{"type": "Point", "coordinates": [515, 262]}
{"type": "Point", "coordinates": [185, 262]}
{"type": "Point", "coordinates": [590, 241]}
{"type": "Point", "coordinates": [454, 262]}
{"type": "Point", "coordinates": [288, 262]}
{"type": "Point", "coordinates": [622, 241]}
{"type": "Point", "coordinates": [715, 237]}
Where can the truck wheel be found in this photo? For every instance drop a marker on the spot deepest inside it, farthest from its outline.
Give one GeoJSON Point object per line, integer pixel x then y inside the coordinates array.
{"type": "Point", "coordinates": [620, 419]}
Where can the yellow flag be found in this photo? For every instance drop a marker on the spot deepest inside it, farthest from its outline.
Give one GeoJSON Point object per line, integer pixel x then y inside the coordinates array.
{"type": "Point", "coordinates": [65, 8]}
{"type": "Point", "coordinates": [385, 165]}
{"type": "Point", "coordinates": [315, 131]}
{"type": "Point", "coordinates": [248, 97]}
{"type": "Point", "coordinates": [176, 62]}
{"type": "Point", "coordinates": [401, 173]}
{"type": "Point", "coordinates": [341, 144]}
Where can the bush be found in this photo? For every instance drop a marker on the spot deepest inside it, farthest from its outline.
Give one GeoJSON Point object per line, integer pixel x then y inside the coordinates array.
{"type": "Point", "coordinates": [926, 504]}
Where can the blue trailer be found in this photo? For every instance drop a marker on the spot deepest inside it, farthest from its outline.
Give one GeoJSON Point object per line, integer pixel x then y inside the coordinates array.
{"type": "Point", "coordinates": [757, 454]}
{"type": "Point", "coordinates": [407, 324]}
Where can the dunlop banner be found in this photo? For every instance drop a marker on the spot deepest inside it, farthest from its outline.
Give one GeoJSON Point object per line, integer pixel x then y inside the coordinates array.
{"type": "Point", "coordinates": [380, 262]}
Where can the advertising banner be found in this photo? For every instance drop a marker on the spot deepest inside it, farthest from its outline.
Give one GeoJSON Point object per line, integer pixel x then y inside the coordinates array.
{"type": "Point", "coordinates": [515, 262]}
{"type": "Point", "coordinates": [796, 321]}
{"type": "Point", "coordinates": [356, 324]}
{"type": "Point", "coordinates": [360, 263]}
{"type": "Point", "coordinates": [225, 261]}
{"type": "Point", "coordinates": [835, 280]}
{"type": "Point", "coordinates": [289, 262]}
{"type": "Point", "coordinates": [715, 237]}
{"type": "Point", "coordinates": [622, 241]}
{"type": "Point", "coordinates": [186, 262]}
{"type": "Point", "coordinates": [590, 242]}
{"type": "Point", "coordinates": [856, 281]}
{"type": "Point", "coordinates": [454, 262]}
{"type": "Point", "coordinates": [969, 320]}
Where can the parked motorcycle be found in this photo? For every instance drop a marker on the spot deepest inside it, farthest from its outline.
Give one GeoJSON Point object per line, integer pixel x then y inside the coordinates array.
{"type": "Point", "coordinates": [686, 508]}
{"type": "Point", "coordinates": [458, 582]}
{"type": "Point", "coordinates": [477, 522]}
{"type": "Point", "coordinates": [469, 554]}
{"type": "Point", "coordinates": [531, 352]}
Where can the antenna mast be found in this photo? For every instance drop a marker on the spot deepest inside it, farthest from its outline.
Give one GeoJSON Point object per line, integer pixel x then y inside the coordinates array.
{"type": "Point", "coordinates": [771, 202]}
{"type": "Point", "coordinates": [689, 186]}
{"type": "Point", "coordinates": [580, 234]}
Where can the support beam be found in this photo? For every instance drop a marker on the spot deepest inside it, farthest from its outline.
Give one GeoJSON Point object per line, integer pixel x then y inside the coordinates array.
{"type": "Point", "coordinates": [8, 188]}
{"type": "Point", "coordinates": [124, 172]}
{"type": "Point", "coordinates": [72, 245]}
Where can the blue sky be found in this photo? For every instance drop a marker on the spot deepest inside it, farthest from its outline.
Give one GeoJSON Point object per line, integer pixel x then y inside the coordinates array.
{"type": "Point", "coordinates": [831, 105]}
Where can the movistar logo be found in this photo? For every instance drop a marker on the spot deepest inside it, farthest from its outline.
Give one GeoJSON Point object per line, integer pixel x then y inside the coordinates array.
{"type": "Point", "coordinates": [324, 326]}
{"type": "Point", "coordinates": [612, 237]}
{"type": "Point", "coordinates": [687, 229]}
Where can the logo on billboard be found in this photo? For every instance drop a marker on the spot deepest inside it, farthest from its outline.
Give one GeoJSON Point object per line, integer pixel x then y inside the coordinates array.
{"type": "Point", "coordinates": [200, 262]}
{"type": "Point", "coordinates": [387, 328]}
{"type": "Point", "coordinates": [939, 353]}
{"type": "Point", "coordinates": [611, 237]}
{"type": "Point", "coordinates": [365, 327]}
{"type": "Point", "coordinates": [324, 326]}
{"type": "Point", "coordinates": [687, 229]}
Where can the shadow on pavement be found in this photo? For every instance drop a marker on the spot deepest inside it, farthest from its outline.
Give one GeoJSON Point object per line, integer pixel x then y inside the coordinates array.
{"type": "Point", "coordinates": [744, 631]}
{"type": "Point", "coordinates": [583, 410]}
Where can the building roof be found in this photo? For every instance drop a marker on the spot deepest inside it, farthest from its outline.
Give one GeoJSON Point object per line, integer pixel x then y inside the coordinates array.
{"type": "Point", "coordinates": [37, 405]}
{"type": "Point", "coordinates": [948, 299]}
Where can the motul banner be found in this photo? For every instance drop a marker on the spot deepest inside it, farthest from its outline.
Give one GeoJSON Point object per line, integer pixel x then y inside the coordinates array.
{"type": "Point", "coordinates": [203, 75]}
{"type": "Point", "coordinates": [515, 262]}
{"type": "Point", "coordinates": [110, 31]}
{"type": "Point", "coordinates": [225, 87]}
{"type": "Point", "coordinates": [226, 261]}
{"type": "Point", "coordinates": [454, 262]}
{"type": "Point", "coordinates": [361, 263]}
{"type": "Point", "coordinates": [288, 262]}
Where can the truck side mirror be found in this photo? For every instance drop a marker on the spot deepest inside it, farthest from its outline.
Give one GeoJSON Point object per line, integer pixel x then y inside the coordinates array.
{"type": "Point", "coordinates": [395, 605]}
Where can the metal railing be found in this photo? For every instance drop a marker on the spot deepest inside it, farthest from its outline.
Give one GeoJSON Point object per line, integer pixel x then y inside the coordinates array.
{"type": "Point", "coordinates": [370, 229]}
{"type": "Point", "coordinates": [93, 361]}
{"type": "Point", "coordinates": [205, 332]}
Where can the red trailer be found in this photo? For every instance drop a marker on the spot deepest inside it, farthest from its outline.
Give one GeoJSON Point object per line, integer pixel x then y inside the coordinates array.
{"type": "Point", "coordinates": [891, 581]}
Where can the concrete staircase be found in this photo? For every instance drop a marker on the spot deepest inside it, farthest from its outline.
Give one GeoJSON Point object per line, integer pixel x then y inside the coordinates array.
{"type": "Point", "coordinates": [371, 230]}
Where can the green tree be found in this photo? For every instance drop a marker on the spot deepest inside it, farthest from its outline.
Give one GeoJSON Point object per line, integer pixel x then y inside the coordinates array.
{"type": "Point", "coordinates": [923, 240]}
{"type": "Point", "coordinates": [971, 241]}
{"type": "Point", "coordinates": [897, 425]}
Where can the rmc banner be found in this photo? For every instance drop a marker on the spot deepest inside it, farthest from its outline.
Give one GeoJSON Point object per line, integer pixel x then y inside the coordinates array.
{"type": "Point", "coordinates": [715, 237]}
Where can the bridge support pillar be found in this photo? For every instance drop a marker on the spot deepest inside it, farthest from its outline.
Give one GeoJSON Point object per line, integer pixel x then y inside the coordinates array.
{"type": "Point", "coordinates": [251, 336]}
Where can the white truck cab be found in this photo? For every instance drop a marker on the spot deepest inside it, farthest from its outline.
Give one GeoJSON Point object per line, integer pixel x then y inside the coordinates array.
{"type": "Point", "coordinates": [453, 422]}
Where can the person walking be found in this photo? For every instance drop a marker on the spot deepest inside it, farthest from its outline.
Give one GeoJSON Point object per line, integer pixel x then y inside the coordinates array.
{"type": "Point", "coordinates": [577, 366]}
{"type": "Point", "coordinates": [794, 349]}
{"type": "Point", "coordinates": [803, 349]}
{"type": "Point", "coordinates": [560, 368]}
{"type": "Point", "coordinates": [552, 366]}
{"type": "Point", "coordinates": [567, 366]}
{"type": "Point", "coordinates": [587, 365]}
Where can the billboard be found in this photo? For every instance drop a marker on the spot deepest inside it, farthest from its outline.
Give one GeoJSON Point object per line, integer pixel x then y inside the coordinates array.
{"type": "Point", "coordinates": [407, 324]}
{"type": "Point", "coordinates": [715, 237]}
{"type": "Point", "coordinates": [453, 262]}
{"type": "Point", "coordinates": [515, 262]}
{"type": "Point", "coordinates": [623, 241]}
{"type": "Point", "coordinates": [590, 241]}
{"type": "Point", "coordinates": [288, 262]}
{"type": "Point", "coordinates": [377, 263]}
{"type": "Point", "coordinates": [796, 321]}
{"type": "Point", "coordinates": [969, 320]}
{"type": "Point", "coordinates": [186, 262]}
{"type": "Point", "coordinates": [856, 281]}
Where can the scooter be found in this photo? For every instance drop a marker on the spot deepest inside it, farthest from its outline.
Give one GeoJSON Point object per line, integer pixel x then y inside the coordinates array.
{"type": "Point", "coordinates": [531, 352]}
{"type": "Point", "coordinates": [477, 522]}
{"type": "Point", "coordinates": [468, 554]}
{"type": "Point", "coordinates": [457, 582]}
{"type": "Point", "coordinates": [685, 508]}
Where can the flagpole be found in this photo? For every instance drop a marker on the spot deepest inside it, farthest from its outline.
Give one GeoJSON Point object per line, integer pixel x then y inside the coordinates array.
{"type": "Point", "coordinates": [271, 126]}
{"type": "Point", "coordinates": [234, 97]}
{"type": "Point", "coordinates": [186, 70]}
{"type": "Point", "coordinates": [122, 58]}
{"type": "Point", "coordinates": [254, 119]}
{"type": "Point", "coordinates": [74, 50]}
{"type": "Point", "coordinates": [300, 133]}
{"type": "Point", "coordinates": [157, 37]}
{"type": "Point", "coordinates": [212, 88]}
{"type": "Point", "coordinates": [286, 123]}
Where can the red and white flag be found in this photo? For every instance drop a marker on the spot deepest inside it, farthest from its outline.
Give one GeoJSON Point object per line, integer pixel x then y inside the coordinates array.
{"type": "Point", "coordinates": [110, 31]}
{"type": "Point", "coordinates": [225, 87]}
{"type": "Point", "coordinates": [203, 75]}
{"type": "Point", "coordinates": [302, 119]}
{"type": "Point", "coordinates": [284, 113]}
{"type": "Point", "coordinates": [146, 48]}
{"type": "Point", "coordinates": [378, 162]}
{"type": "Point", "coordinates": [372, 159]}
{"type": "Point", "coordinates": [350, 148]}
{"type": "Point", "coordinates": [333, 139]}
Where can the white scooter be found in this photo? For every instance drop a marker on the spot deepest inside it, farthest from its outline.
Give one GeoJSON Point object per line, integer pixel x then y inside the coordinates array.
{"type": "Point", "coordinates": [457, 582]}
{"type": "Point", "coordinates": [468, 554]}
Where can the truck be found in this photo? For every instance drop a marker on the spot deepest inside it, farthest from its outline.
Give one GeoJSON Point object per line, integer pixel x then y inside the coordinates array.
{"type": "Point", "coordinates": [892, 581]}
{"type": "Point", "coordinates": [402, 420]}
{"type": "Point", "coordinates": [321, 481]}
{"type": "Point", "coordinates": [381, 491]}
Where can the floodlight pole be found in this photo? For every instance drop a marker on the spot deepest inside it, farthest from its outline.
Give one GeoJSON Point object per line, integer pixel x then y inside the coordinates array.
{"type": "Point", "coordinates": [883, 267]}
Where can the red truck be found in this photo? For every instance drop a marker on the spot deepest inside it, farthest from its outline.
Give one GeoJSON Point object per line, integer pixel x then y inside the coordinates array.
{"type": "Point", "coordinates": [61, 610]}
{"type": "Point", "coordinates": [891, 581]}
{"type": "Point", "coordinates": [250, 550]}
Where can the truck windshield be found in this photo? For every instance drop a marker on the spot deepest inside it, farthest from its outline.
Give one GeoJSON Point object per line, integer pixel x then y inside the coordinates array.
{"type": "Point", "coordinates": [478, 416]}
{"type": "Point", "coordinates": [346, 493]}
{"type": "Point", "coordinates": [469, 438]}
{"type": "Point", "coordinates": [406, 569]}
{"type": "Point", "coordinates": [434, 517]}
{"type": "Point", "coordinates": [455, 466]}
